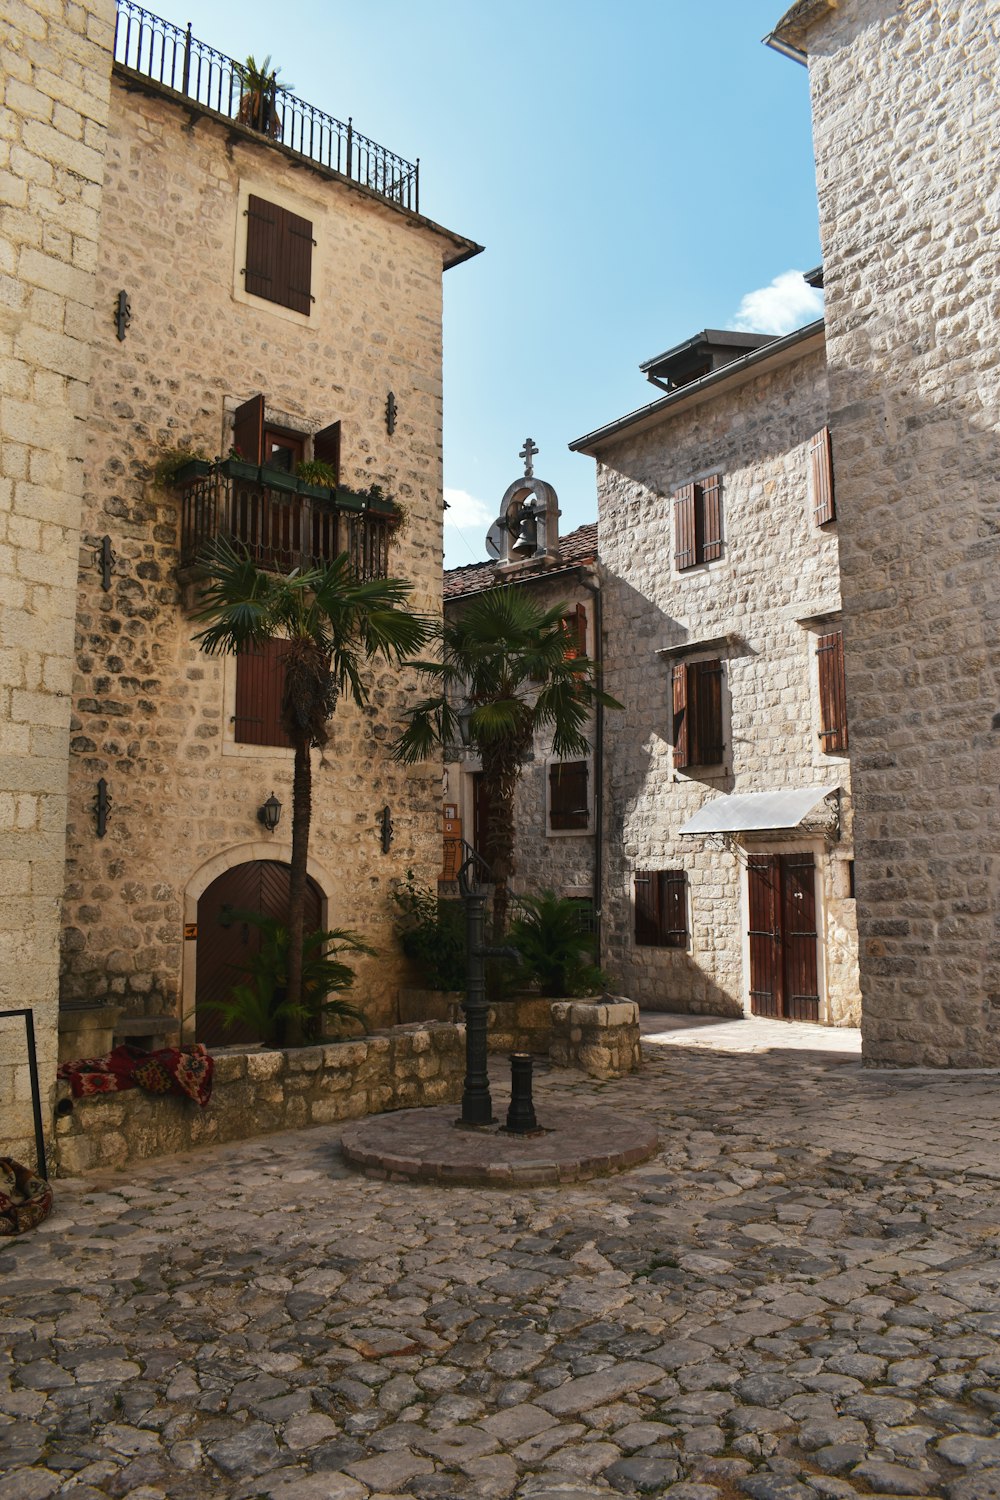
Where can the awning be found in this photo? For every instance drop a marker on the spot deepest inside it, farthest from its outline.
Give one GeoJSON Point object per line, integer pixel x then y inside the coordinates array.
{"type": "Point", "coordinates": [756, 810]}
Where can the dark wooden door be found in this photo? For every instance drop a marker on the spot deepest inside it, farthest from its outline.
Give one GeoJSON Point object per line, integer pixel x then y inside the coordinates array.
{"type": "Point", "coordinates": [784, 980]}
{"type": "Point", "coordinates": [226, 943]}
{"type": "Point", "coordinates": [480, 815]}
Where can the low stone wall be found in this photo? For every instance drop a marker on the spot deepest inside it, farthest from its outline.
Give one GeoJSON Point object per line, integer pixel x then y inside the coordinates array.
{"type": "Point", "coordinates": [257, 1093]}
{"type": "Point", "coordinates": [601, 1037]}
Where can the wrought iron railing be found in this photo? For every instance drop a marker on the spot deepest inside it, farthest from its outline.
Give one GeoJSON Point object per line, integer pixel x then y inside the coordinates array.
{"type": "Point", "coordinates": [173, 57]}
{"type": "Point", "coordinates": [280, 529]}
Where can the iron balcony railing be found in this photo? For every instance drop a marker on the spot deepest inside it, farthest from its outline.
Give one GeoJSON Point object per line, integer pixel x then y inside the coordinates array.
{"type": "Point", "coordinates": [158, 49]}
{"type": "Point", "coordinates": [280, 528]}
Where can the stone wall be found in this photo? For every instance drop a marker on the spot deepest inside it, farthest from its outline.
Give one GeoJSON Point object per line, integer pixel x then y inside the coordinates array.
{"type": "Point", "coordinates": [777, 569]}
{"type": "Point", "coordinates": [152, 714]}
{"type": "Point", "coordinates": [257, 1093]}
{"type": "Point", "coordinates": [54, 86]}
{"type": "Point", "coordinates": [905, 125]}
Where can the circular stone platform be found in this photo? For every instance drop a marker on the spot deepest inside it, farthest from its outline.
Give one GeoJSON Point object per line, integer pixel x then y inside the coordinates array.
{"type": "Point", "coordinates": [424, 1145]}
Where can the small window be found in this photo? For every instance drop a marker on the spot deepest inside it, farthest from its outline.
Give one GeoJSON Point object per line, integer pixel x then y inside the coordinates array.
{"type": "Point", "coordinates": [260, 680]}
{"type": "Point", "coordinates": [282, 450]}
{"type": "Point", "coordinates": [698, 522]}
{"type": "Point", "coordinates": [661, 909]}
{"type": "Point", "coordinates": [279, 255]}
{"type": "Point", "coordinates": [832, 692]}
{"type": "Point", "coordinates": [575, 625]}
{"type": "Point", "coordinates": [821, 478]}
{"type": "Point", "coordinates": [697, 703]}
{"type": "Point", "coordinates": [568, 808]}
{"type": "Point", "coordinates": [585, 915]}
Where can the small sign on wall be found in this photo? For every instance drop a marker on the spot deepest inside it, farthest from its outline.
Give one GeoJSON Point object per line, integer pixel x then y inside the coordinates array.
{"type": "Point", "coordinates": [451, 809]}
{"type": "Point", "coordinates": [190, 930]}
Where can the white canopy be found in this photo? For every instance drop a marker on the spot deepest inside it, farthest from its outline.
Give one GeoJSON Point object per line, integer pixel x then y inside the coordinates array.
{"type": "Point", "coordinates": [756, 810]}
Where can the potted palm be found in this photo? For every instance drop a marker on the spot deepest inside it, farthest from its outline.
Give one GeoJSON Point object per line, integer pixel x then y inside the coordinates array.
{"type": "Point", "coordinates": [258, 87]}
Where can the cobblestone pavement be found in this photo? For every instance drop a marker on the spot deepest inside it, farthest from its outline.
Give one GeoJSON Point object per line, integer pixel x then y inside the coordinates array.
{"type": "Point", "coordinates": [798, 1298]}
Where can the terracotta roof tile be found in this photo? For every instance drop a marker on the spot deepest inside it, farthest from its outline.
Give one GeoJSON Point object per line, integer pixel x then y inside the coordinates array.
{"type": "Point", "coordinates": [578, 547]}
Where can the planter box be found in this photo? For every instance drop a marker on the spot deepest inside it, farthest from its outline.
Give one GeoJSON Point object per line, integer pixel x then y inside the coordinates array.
{"type": "Point", "coordinates": [279, 479]}
{"type": "Point", "coordinates": [350, 499]}
{"type": "Point", "coordinates": [195, 468]}
{"type": "Point", "coordinates": [238, 468]}
{"type": "Point", "coordinates": [316, 491]}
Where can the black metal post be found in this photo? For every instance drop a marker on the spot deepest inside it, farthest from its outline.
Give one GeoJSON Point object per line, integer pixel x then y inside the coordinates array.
{"type": "Point", "coordinates": [36, 1097]}
{"type": "Point", "coordinates": [477, 1104]}
{"type": "Point", "coordinates": [521, 1119]}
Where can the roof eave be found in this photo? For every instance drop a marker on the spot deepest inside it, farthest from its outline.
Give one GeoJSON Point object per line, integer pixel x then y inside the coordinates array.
{"type": "Point", "coordinates": [733, 374]}
{"type": "Point", "coordinates": [791, 31]}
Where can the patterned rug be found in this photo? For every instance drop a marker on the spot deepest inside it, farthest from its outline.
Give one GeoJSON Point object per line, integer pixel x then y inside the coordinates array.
{"type": "Point", "coordinates": [25, 1198]}
{"type": "Point", "coordinates": [171, 1070]}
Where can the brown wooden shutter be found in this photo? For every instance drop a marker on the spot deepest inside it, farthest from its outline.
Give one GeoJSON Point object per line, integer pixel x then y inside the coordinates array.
{"type": "Point", "coordinates": [821, 468]}
{"type": "Point", "coordinates": [680, 682]}
{"type": "Point", "coordinates": [264, 234]}
{"type": "Point", "coordinates": [832, 691]}
{"type": "Point", "coordinates": [295, 264]}
{"type": "Point", "coordinates": [709, 512]}
{"type": "Point", "coordinates": [575, 626]}
{"type": "Point", "coordinates": [763, 883]}
{"type": "Point", "coordinates": [685, 554]}
{"type": "Point", "coordinates": [568, 795]}
{"type": "Point", "coordinates": [705, 747]}
{"type": "Point", "coordinates": [647, 916]}
{"type": "Point", "coordinates": [248, 430]}
{"type": "Point", "coordinates": [673, 908]}
{"type": "Point", "coordinates": [326, 447]}
{"type": "Point", "coordinates": [260, 679]}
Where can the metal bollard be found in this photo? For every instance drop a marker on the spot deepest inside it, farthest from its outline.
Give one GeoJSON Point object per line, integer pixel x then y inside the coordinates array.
{"type": "Point", "coordinates": [521, 1114]}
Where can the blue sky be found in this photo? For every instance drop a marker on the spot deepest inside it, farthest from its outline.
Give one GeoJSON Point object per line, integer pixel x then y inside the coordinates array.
{"type": "Point", "coordinates": [635, 170]}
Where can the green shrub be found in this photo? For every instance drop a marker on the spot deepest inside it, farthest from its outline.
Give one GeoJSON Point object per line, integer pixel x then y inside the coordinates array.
{"type": "Point", "coordinates": [556, 952]}
{"type": "Point", "coordinates": [432, 934]}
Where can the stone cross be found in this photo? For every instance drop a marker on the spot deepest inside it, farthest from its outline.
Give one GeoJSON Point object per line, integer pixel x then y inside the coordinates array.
{"type": "Point", "coordinates": [527, 453]}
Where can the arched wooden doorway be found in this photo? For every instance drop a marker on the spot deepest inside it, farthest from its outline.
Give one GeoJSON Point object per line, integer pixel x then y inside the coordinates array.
{"type": "Point", "coordinates": [225, 945]}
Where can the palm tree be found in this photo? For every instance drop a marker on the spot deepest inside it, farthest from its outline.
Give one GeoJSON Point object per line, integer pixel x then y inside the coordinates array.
{"type": "Point", "coordinates": [333, 623]}
{"type": "Point", "coordinates": [507, 661]}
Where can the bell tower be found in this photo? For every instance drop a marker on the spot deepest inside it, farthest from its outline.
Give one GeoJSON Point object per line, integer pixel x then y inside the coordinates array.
{"type": "Point", "coordinates": [527, 529]}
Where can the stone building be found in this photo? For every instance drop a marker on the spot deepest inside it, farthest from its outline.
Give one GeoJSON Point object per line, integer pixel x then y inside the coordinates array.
{"type": "Point", "coordinates": [557, 804]}
{"type": "Point", "coordinates": [727, 823]}
{"type": "Point", "coordinates": [905, 129]}
{"type": "Point", "coordinates": [267, 293]}
{"type": "Point", "coordinates": [55, 84]}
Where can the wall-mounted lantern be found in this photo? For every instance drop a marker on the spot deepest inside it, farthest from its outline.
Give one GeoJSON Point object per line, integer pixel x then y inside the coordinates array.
{"type": "Point", "coordinates": [270, 813]}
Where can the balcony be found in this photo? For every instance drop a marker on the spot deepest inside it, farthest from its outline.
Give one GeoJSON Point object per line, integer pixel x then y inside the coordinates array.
{"type": "Point", "coordinates": [281, 522]}
{"type": "Point", "coordinates": [170, 56]}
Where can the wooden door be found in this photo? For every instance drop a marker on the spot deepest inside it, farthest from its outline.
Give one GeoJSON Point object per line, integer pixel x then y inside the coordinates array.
{"type": "Point", "coordinates": [226, 944]}
{"type": "Point", "coordinates": [784, 970]}
{"type": "Point", "coordinates": [480, 815]}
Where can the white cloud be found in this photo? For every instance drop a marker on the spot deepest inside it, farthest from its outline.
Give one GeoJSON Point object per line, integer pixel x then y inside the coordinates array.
{"type": "Point", "coordinates": [466, 522]}
{"type": "Point", "coordinates": [788, 303]}
{"type": "Point", "coordinates": [465, 510]}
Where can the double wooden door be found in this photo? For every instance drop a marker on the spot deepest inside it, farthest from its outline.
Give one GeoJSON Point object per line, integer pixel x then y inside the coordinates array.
{"type": "Point", "coordinates": [784, 968]}
{"type": "Point", "coordinates": [227, 941]}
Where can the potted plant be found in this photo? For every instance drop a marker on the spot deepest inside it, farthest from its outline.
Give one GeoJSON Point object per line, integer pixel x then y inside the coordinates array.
{"type": "Point", "coordinates": [556, 953]}
{"type": "Point", "coordinates": [179, 465]}
{"type": "Point", "coordinates": [235, 466]}
{"type": "Point", "coordinates": [316, 478]}
{"type": "Point", "coordinates": [260, 1001]}
{"type": "Point", "coordinates": [258, 86]}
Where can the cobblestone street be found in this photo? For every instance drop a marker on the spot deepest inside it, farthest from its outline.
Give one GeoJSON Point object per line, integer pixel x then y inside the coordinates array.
{"type": "Point", "coordinates": [798, 1298]}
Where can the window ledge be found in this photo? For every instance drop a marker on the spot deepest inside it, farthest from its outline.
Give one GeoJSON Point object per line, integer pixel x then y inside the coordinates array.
{"type": "Point", "coordinates": [708, 643]}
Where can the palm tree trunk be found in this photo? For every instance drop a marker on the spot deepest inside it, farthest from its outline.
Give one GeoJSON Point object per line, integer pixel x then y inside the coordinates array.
{"type": "Point", "coordinates": [301, 819]}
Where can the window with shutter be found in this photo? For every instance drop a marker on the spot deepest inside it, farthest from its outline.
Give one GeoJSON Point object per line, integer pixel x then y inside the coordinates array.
{"type": "Point", "coordinates": [661, 909]}
{"type": "Point", "coordinates": [698, 522]}
{"type": "Point", "coordinates": [568, 795]}
{"type": "Point", "coordinates": [260, 679]}
{"type": "Point", "coordinates": [248, 430]}
{"type": "Point", "coordinates": [279, 255]}
{"type": "Point", "coordinates": [575, 626]}
{"type": "Point", "coordinates": [697, 705]}
{"type": "Point", "coordinates": [821, 475]}
{"type": "Point", "coordinates": [832, 691]}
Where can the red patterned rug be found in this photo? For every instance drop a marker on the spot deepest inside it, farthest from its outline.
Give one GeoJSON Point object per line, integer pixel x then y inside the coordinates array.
{"type": "Point", "coordinates": [25, 1198]}
{"type": "Point", "coordinates": [171, 1070]}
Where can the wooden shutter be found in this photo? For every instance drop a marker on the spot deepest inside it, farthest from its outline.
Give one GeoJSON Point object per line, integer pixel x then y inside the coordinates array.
{"type": "Point", "coordinates": [680, 679]}
{"type": "Point", "coordinates": [260, 679]}
{"type": "Point", "coordinates": [248, 430]}
{"type": "Point", "coordinates": [798, 921]}
{"type": "Point", "coordinates": [264, 233]}
{"type": "Point", "coordinates": [326, 447]}
{"type": "Point", "coordinates": [821, 470]}
{"type": "Point", "coordinates": [575, 626]}
{"type": "Point", "coordinates": [279, 255]}
{"type": "Point", "coordinates": [568, 795]}
{"type": "Point", "coordinates": [763, 883]}
{"type": "Point", "coordinates": [704, 692]}
{"type": "Point", "coordinates": [709, 514]}
{"type": "Point", "coordinates": [647, 916]}
{"type": "Point", "coordinates": [832, 691]}
{"type": "Point", "coordinates": [673, 908]}
{"type": "Point", "coordinates": [685, 554]}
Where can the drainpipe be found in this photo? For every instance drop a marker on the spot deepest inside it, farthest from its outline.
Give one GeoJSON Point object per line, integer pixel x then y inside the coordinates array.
{"type": "Point", "coordinates": [590, 580]}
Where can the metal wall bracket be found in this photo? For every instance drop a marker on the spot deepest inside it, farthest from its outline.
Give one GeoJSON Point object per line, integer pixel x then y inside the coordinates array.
{"type": "Point", "coordinates": [390, 413]}
{"type": "Point", "coordinates": [105, 558]}
{"type": "Point", "coordinates": [386, 829]}
{"type": "Point", "coordinates": [102, 807]}
{"type": "Point", "coordinates": [123, 315]}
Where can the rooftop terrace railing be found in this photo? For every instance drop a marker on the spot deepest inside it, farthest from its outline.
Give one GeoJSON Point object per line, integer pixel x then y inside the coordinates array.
{"type": "Point", "coordinates": [171, 56]}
